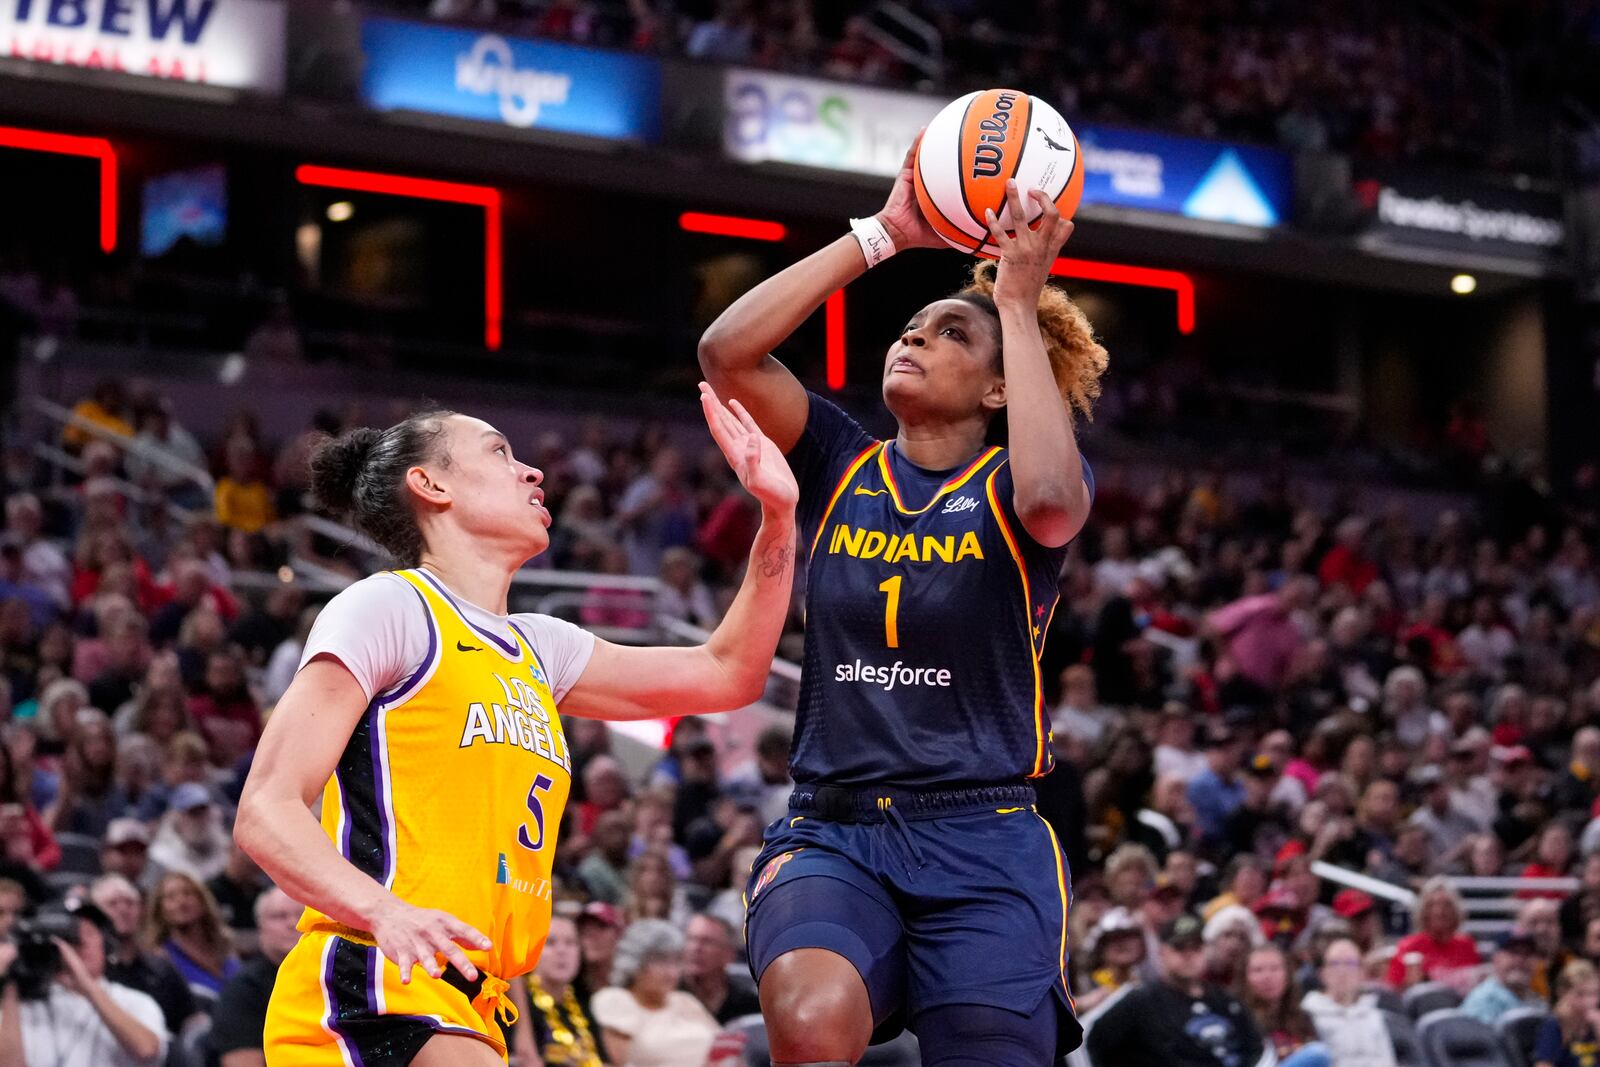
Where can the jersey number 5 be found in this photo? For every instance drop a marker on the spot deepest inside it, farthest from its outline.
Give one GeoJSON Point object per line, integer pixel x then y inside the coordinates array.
{"type": "Point", "coordinates": [891, 610]}
{"type": "Point", "coordinates": [541, 784]}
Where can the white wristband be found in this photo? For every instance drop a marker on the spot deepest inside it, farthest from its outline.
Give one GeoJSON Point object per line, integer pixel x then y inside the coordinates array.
{"type": "Point", "coordinates": [876, 244]}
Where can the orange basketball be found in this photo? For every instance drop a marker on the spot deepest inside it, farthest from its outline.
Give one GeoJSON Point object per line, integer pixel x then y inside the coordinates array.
{"type": "Point", "coordinates": [978, 143]}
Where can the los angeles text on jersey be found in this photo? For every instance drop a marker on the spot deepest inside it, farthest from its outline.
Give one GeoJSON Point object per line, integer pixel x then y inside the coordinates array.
{"type": "Point", "coordinates": [895, 674]}
{"type": "Point", "coordinates": [522, 720]}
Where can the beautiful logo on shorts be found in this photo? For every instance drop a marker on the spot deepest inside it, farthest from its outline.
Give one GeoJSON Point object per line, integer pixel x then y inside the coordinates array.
{"type": "Point", "coordinates": [769, 872]}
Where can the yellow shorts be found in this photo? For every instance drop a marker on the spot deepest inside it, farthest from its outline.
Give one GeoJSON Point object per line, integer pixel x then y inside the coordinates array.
{"type": "Point", "coordinates": [338, 1003]}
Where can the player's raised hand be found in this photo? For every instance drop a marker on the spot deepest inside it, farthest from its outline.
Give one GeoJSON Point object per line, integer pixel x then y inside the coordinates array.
{"type": "Point", "coordinates": [1028, 252]}
{"type": "Point", "coordinates": [413, 936]}
{"type": "Point", "coordinates": [902, 216]}
{"type": "Point", "coordinates": [756, 461]}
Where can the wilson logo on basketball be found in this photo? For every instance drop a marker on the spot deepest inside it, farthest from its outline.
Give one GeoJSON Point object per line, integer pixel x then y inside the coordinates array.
{"type": "Point", "coordinates": [989, 154]}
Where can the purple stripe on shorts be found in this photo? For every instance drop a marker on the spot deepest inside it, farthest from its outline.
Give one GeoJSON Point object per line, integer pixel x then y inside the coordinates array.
{"type": "Point", "coordinates": [331, 985]}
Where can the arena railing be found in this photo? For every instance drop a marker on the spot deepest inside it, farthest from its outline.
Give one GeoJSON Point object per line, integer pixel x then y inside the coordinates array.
{"type": "Point", "coordinates": [63, 417]}
{"type": "Point", "coordinates": [1491, 904]}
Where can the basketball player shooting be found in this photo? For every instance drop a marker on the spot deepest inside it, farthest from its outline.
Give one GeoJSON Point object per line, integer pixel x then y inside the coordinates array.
{"type": "Point", "coordinates": [911, 882]}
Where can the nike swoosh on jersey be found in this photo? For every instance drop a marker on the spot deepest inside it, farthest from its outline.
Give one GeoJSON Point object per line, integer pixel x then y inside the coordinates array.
{"type": "Point", "coordinates": [860, 491]}
{"type": "Point", "coordinates": [467, 648]}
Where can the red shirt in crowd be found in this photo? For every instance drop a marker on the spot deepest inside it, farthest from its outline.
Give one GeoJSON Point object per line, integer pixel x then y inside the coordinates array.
{"type": "Point", "coordinates": [1441, 960]}
{"type": "Point", "coordinates": [1348, 567]}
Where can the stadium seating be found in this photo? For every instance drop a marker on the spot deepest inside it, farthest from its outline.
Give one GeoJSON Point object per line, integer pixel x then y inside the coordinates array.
{"type": "Point", "coordinates": [1518, 1030]}
{"type": "Point", "coordinates": [1430, 997]}
{"type": "Point", "coordinates": [1403, 1032]}
{"type": "Point", "coordinates": [1450, 1039]}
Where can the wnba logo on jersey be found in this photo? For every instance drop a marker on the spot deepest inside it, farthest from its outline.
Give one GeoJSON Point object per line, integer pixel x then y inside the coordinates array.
{"type": "Point", "coordinates": [770, 872]}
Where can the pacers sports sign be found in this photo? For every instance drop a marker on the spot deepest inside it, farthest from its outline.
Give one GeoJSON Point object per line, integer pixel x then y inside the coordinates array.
{"type": "Point", "coordinates": [237, 44]}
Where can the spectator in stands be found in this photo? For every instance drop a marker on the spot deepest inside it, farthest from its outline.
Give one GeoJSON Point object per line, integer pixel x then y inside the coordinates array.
{"type": "Point", "coordinates": [24, 837]}
{"type": "Point", "coordinates": [1262, 633]}
{"type": "Point", "coordinates": [182, 921]}
{"type": "Point", "coordinates": [1244, 881]}
{"type": "Point", "coordinates": [127, 960]}
{"type": "Point", "coordinates": [1349, 1021]}
{"type": "Point", "coordinates": [1114, 951]}
{"type": "Point", "coordinates": [13, 902]}
{"type": "Point", "coordinates": [554, 1022]}
{"type": "Point", "coordinates": [1151, 1024]}
{"type": "Point", "coordinates": [683, 595]}
{"type": "Point", "coordinates": [602, 870]}
{"type": "Point", "coordinates": [224, 711]}
{"type": "Point", "coordinates": [1540, 919]}
{"type": "Point", "coordinates": [764, 784]}
{"type": "Point", "coordinates": [656, 512]}
{"type": "Point", "coordinates": [599, 929]}
{"type": "Point", "coordinates": [1273, 997]}
{"type": "Point", "coordinates": [1447, 828]}
{"type": "Point", "coordinates": [81, 1019]}
{"type": "Point", "coordinates": [653, 891]}
{"type": "Point", "coordinates": [106, 408]}
{"type": "Point", "coordinates": [89, 798]}
{"type": "Point", "coordinates": [1568, 1038]}
{"type": "Point", "coordinates": [1438, 951]}
{"type": "Point", "coordinates": [645, 1019]}
{"type": "Point", "coordinates": [240, 1016]}
{"type": "Point", "coordinates": [236, 889]}
{"type": "Point", "coordinates": [1215, 792]}
{"type": "Point", "coordinates": [1582, 907]}
{"type": "Point", "coordinates": [125, 849]}
{"type": "Point", "coordinates": [605, 788]}
{"type": "Point", "coordinates": [191, 840]}
{"type": "Point", "coordinates": [1509, 984]}
{"type": "Point", "coordinates": [158, 430]}
{"type": "Point", "coordinates": [1552, 859]}
{"type": "Point", "coordinates": [709, 948]}
{"type": "Point", "coordinates": [1230, 935]}
{"type": "Point", "coordinates": [243, 501]}
{"type": "Point", "coordinates": [43, 564]}
{"type": "Point", "coordinates": [1359, 912]}
{"type": "Point", "coordinates": [1167, 823]}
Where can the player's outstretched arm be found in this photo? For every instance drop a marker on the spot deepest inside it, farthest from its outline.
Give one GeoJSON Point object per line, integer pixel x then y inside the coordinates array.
{"type": "Point", "coordinates": [299, 749]}
{"type": "Point", "coordinates": [1050, 495]}
{"type": "Point", "coordinates": [730, 669]}
{"type": "Point", "coordinates": [734, 349]}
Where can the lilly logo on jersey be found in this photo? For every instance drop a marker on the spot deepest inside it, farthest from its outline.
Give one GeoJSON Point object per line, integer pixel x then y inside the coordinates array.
{"type": "Point", "coordinates": [958, 504]}
{"type": "Point", "coordinates": [898, 548]}
{"type": "Point", "coordinates": [521, 720]}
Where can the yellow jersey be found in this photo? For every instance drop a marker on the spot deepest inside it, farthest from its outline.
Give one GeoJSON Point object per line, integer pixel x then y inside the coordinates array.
{"type": "Point", "coordinates": [451, 789]}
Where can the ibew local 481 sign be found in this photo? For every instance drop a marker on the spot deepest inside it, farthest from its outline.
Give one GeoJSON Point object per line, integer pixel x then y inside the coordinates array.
{"type": "Point", "coordinates": [232, 43]}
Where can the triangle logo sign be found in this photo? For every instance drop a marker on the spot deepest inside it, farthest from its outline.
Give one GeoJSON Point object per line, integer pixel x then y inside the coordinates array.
{"type": "Point", "coordinates": [1229, 194]}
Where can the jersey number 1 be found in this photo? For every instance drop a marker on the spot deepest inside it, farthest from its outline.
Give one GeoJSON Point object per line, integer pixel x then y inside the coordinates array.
{"type": "Point", "coordinates": [891, 610]}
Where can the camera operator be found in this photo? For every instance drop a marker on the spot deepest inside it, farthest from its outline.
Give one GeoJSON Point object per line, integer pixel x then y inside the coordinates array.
{"type": "Point", "coordinates": [58, 1010]}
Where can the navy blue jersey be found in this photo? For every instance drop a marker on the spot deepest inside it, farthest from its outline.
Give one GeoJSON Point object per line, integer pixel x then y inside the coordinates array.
{"type": "Point", "coordinates": [926, 609]}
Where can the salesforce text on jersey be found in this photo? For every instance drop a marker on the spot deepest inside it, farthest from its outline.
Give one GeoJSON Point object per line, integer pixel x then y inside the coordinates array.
{"type": "Point", "coordinates": [889, 677]}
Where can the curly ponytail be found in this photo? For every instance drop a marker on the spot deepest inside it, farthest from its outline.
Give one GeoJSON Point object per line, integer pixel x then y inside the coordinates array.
{"type": "Point", "coordinates": [1077, 360]}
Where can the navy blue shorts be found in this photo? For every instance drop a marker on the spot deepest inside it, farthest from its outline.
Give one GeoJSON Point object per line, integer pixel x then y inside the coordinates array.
{"type": "Point", "coordinates": [963, 903]}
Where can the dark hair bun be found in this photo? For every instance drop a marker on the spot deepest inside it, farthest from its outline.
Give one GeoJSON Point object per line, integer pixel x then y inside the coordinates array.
{"type": "Point", "coordinates": [337, 467]}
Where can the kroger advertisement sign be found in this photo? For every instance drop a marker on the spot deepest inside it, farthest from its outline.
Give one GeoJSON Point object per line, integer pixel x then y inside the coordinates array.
{"type": "Point", "coordinates": [520, 83]}
{"type": "Point", "coordinates": [234, 43]}
{"type": "Point", "coordinates": [778, 118]}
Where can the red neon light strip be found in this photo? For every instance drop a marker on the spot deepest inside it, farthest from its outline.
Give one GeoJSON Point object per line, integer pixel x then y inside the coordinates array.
{"type": "Point", "coordinates": [486, 197]}
{"type": "Point", "coordinates": [1147, 277]}
{"type": "Point", "coordinates": [833, 319]}
{"type": "Point", "coordinates": [732, 226]}
{"type": "Point", "coordinates": [64, 144]}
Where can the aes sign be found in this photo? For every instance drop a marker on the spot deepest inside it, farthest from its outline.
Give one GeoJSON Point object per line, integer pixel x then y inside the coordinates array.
{"type": "Point", "coordinates": [237, 44]}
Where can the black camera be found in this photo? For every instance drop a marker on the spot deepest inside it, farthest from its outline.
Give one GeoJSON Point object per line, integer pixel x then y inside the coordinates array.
{"type": "Point", "coordinates": [38, 956]}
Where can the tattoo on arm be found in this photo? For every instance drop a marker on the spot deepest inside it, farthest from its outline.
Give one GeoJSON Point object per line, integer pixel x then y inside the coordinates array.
{"type": "Point", "coordinates": [775, 561]}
